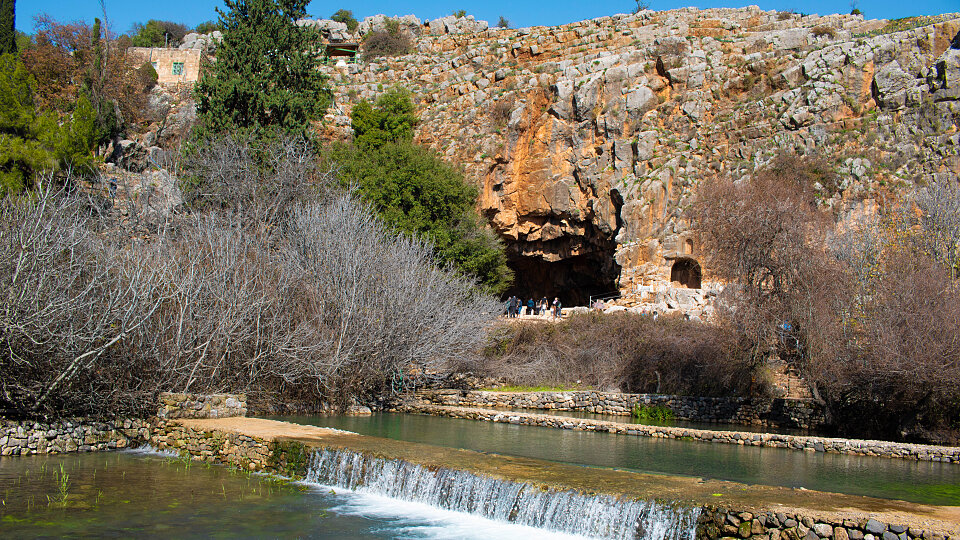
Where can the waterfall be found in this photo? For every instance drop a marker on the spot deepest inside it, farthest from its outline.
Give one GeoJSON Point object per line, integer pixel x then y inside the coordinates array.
{"type": "Point", "coordinates": [567, 511]}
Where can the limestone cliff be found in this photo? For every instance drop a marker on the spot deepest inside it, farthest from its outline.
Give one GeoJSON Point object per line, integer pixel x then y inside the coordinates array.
{"type": "Point", "coordinates": [588, 139]}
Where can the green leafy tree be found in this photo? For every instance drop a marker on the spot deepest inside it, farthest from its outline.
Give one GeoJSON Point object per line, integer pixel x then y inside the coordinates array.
{"type": "Point", "coordinates": [157, 33]}
{"type": "Point", "coordinates": [266, 80]}
{"type": "Point", "coordinates": [416, 192]}
{"type": "Point", "coordinates": [206, 27]}
{"type": "Point", "coordinates": [77, 138]}
{"type": "Point", "coordinates": [345, 16]}
{"type": "Point", "coordinates": [392, 119]}
{"type": "Point", "coordinates": [503, 22]}
{"type": "Point", "coordinates": [8, 30]}
{"type": "Point", "coordinates": [22, 131]}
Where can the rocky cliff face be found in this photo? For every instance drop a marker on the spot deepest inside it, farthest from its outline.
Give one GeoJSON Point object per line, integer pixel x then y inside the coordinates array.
{"type": "Point", "coordinates": [588, 139]}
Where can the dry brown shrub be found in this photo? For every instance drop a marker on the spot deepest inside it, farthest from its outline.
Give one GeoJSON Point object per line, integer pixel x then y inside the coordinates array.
{"type": "Point", "coordinates": [500, 114]}
{"type": "Point", "coordinates": [391, 41]}
{"type": "Point", "coordinates": [872, 307]}
{"type": "Point", "coordinates": [626, 352]}
{"type": "Point", "coordinates": [821, 31]}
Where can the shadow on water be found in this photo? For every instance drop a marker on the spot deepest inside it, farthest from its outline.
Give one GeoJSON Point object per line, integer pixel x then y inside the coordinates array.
{"type": "Point", "coordinates": [922, 482]}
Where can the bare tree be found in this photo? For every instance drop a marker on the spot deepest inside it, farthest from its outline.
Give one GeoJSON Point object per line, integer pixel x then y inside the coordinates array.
{"type": "Point", "coordinates": [939, 209]}
{"type": "Point", "coordinates": [71, 299]}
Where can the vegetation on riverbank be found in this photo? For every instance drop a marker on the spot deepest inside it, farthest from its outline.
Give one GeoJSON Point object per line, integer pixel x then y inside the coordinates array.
{"type": "Point", "coordinates": [623, 351]}
{"type": "Point", "coordinates": [865, 307]}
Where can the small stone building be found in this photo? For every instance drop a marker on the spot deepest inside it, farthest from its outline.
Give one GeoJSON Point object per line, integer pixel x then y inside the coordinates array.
{"type": "Point", "coordinates": [173, 66]}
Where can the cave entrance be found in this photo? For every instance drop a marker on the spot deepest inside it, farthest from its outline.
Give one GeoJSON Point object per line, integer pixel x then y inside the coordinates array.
{"type": "Point", "coordinates": [687, 272]}
{"type": "Point", "coordinates": [573, 280]}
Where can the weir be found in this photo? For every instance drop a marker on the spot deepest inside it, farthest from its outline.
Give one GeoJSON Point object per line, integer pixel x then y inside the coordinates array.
{"type": "Point", "coordinates": [568, 511]}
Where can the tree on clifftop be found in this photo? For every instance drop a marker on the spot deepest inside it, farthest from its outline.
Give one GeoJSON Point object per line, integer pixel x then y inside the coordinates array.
{"type": "Point", "coordinates": [266, 80]}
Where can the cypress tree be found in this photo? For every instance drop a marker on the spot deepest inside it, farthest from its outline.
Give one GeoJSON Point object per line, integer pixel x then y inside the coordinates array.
{"type": "Point", "coordinates": [266, 80]}
{"type": "Point", "coordinates": [8, 30]}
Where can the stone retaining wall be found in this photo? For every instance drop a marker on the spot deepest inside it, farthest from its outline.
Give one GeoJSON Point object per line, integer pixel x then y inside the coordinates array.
{"type": "Point", "coordinates": [717, 523]}
{"type": "Point", "coordinates": [255, 454]}
{"type": "Point", "coordinates": [26, 438]}
{"type": "Point", "coordinates": [773, 413]}
{"type": "Point", "coordinates": [919, 452]}
{"type": "Point", "coordinates": [201, 406]}
{"type": "Point", "coordinates": [244, 451]}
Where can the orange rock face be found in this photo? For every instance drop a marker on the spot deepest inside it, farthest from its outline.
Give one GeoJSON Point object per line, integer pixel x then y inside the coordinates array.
{"type": "Point", "coordinates": [588, 140]}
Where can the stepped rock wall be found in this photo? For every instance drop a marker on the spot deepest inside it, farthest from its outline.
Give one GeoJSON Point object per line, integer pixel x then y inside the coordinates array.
{"type": "Point", "coordinates": [588, 140]}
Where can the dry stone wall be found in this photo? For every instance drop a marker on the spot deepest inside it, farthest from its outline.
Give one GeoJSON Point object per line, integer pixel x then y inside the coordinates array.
{"type": "Point", "coordinates": [174, 406]}
{"type": "Point", "coordinates": [773, 413]}
{"type": "Point", "coordinates": [720, 522]}
{"type": "Point", "coordinates": [65, 436]}
{"type": "Point", "coordinates": [857, 447]}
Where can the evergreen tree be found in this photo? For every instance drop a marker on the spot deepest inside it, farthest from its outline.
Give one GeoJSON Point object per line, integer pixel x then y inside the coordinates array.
{"type": "Point", "coordinates": [266, 80]}
{"type": "Point", "coordinates": [8, 30]}
{"type": "Point", "coordinates": [23, 132]}
{"type": "Point", "coordinates": [346, 17]}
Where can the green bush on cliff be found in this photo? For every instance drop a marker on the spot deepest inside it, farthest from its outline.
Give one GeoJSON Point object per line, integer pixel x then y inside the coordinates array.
{"type": "Point", "coordinates": [416, 192]}
{"type": "Point", "coordinates": [31, 142]}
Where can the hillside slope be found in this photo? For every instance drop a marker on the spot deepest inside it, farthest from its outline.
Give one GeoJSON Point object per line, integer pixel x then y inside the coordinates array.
{"type": "Point", "coordinates": [588, 139]}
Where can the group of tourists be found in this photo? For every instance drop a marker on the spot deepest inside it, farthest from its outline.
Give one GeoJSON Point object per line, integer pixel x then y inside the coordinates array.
{"type": "Point", "coordinates": [515, 307]}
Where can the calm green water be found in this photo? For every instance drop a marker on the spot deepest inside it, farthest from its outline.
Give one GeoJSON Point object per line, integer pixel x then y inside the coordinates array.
{"type": "Point", "coordinates": [624, 419]}
{"type": "Point", "coordinates": [138, 495]}
{"type": "Point", "coordinates": [924, 482]}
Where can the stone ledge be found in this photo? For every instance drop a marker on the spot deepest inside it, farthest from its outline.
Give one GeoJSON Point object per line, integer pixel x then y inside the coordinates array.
{"type": "Point", "coordinates": [73, 435]}
{"type": "Point", "coordinates": [857, 447]}
{"type": "Point", "coordinates": [773, 413]}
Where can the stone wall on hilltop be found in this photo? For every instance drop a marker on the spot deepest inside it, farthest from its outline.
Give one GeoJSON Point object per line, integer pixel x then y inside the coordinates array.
{"type": "Point", "coordinates": [587, 140]}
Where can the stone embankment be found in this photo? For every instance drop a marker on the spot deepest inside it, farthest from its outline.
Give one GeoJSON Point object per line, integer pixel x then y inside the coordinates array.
{"type": "Point", "coordinates": [772, 413]}
{"type": "Point", "coordinates": [64, 436]}
{"type": "Point", "coordinates": [82, 435]}
{"type": "Point", "coordinates": [919, 452]}
{"type": "Point", "coordinates": [174, 406]}
{"type": "Point", "coordinates": [717, 523]}
{"type": "Point", "coordinates": [279, 447]}
{"type": "Point", "coordinates": [284, 448]}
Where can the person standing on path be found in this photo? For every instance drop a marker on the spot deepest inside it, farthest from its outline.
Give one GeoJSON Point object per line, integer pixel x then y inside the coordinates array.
{"type": "Point", "coordinates": [556, 308]}
{"type": "Point", "coordinates": [530, 306]}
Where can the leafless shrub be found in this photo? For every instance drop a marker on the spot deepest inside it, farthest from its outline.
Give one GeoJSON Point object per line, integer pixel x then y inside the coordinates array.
{"type": "Point", "coordinates": [500, 114]}
{"type": "Point", "coordinates": [71, 298]}
{"type": "Point", "coordinates": [391, 41]}
{"type": "Point", "coordinates": [939, 217]}
{"type": "Point", "coordinates": [871, 302]}
{"type": "Point", "coordinates": [380, 303]}
{"type": "Point", "coordinates": [627, 352]}
{"type": "Point", "coordinates": [820, 31]}
{"type": "Point", "coordinates": [304, 295]}
{"type": "Point", "coordinates": [257, 184]}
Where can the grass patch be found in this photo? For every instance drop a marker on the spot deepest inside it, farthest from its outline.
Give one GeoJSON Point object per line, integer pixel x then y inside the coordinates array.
{"type": "Point", "coordinates": [658, 414]}
{"type": "Point", "coordinates": [541, 388]}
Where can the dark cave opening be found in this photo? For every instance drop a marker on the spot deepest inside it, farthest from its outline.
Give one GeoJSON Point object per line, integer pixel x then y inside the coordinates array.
{"type": "Point", "coordinates": [593, 271]}
{"type": "Point", "coordinates": [573, 280]}
{"type": "Point", "coordinates": [687, 272]}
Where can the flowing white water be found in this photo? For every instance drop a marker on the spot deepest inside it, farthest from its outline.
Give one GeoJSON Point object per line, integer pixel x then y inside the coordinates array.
{"type": "Point", "coordinates": [568, 511]}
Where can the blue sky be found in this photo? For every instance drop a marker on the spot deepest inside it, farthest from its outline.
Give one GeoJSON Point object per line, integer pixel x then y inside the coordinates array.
{"type": "Point", "coordinates": [123, 13]}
